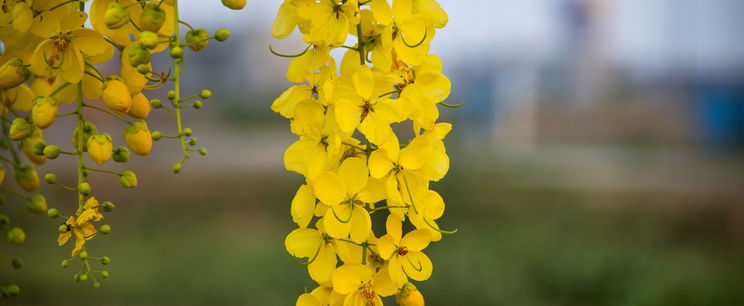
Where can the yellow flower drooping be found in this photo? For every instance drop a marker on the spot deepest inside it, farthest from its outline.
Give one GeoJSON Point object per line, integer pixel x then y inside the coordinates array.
{"type": "Point", "coordinates": [357, 167]}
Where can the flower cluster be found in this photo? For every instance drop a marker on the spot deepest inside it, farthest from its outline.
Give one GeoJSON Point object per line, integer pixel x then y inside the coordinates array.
{"type": "Point", "coordinates": [49, 69]}
{"type": "Point", "coordinates": [355, 164]}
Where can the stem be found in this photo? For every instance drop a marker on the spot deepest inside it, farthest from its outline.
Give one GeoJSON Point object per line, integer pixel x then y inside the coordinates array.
{"type": "Point", "coordinates": [80, 144]}
{"type": "Point", "coordinates": [108, 112]}
{"type": "Point", "coordinates": [360, 44]}
{"type": "Point", "coordinates": [177, 80]}
{"type": "Point", "coordinates": [104, 171]}
{"type": "Point", "coordinates": [13, 192]}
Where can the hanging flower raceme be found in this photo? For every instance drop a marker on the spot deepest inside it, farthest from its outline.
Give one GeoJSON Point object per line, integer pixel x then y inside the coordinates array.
{"type": "Point", "coordinates": [48, 70]}
{"type": "Point", "coordinates": [356, 164]}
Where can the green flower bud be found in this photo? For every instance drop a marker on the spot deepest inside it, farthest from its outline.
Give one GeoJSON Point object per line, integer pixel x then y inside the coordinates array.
{"type": "Point", "coordinates": [37, 204]}
{"type": "Point", "coordinates": [157, 135]}
{"type": "Point", "coordinates": [121, 155]}
{"type": "Point", "coordinates": [53, 213]}
{"type": "Point", "coordinates": [63, 228]}
{"type": "Point", "coordinates": [105, 229]}
{"type": "Point", "coordinates": [50, 178]}
{"type": "Point", "coordinates": [171, 94]}
{"type": "Point", "coordinates": [222, 34]}
{"type": "Point", "coordinates": [205, 94]}
{"type": "Point", "coordinates": [4, 221]}
{"type": "Point", "coordinates": [51, 151]}
{"type": "Point", "coordinates": [83, 255]}
{"type": "Point", "coordinates": [83, 277]}
{"type": "Point", "coordinates": [143, 68]}
{"type": "Point", "coordinates": [38, 148]}
{"type": "Point", "coordinates": [187, 132]}
{"type": "Point", "coordinates": [177, 167]}
{"type": "Point", "coordinates": [149, 39]}
{"type": "Point", "coordinates": [27, 178]}
{"type": "Point", "coordinates": [44, 111]}
{"type": "Point", "coordinates": [20, 129]}
{"type": "Point", "coordinates": [176, 52]}
{"type": "Point", "coordinates": [13, 290]}
{"type": "Point", "coordinates": [76, 277]}
{"type": "Point", "coordinates": [198, 104]}
{"type": "Point", "coordinates": [105, 260]}
{"type": "Point", "coordinates": [104, 273]}
{"type": "Point", "coordinates": [234, 4]}
{"type": "Point", "coordinates": [65, 263]}
{"type": "Point", "coordinates": [108, 206]}
{"type": "Point", "coordinates": [96, 285]}
{"type": "Point", "coordinates": [85, 172]}
{"type": "Point", "coordinates": [84, 189]}
{"type": "Point", "coordinates": [202, 151]}
{"type": "Point", "coordinates": [128, 179]}
{"type": "Point", "coordinates": [138, 55]}
{"type": "Point", "coordinates": [17, 263]}
{"type": "Point", "coordinates": [152, 18]}
{"type": "Point", "coordinates": [192, 141]}
{"type": "Point", "coordinates": [115, 16]}
{"type": "Point", "coordinates": [156, 103]}
{"type": "Point", "coordinates": [16, 236]}
{"type": "Point", "coordinates": [197, 39]}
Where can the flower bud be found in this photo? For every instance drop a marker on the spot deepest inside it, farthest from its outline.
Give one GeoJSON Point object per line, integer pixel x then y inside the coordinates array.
{"type": "Point", "coordinates": [116, 96]}
{"type": "Point", "coordinates": [51, 151]}
{"type": "Point", "coordinates": [205, 94]}
{"type": "Point", "coordinates": [20, 129]}
{"type": "Point", "coordinates": [156, 103]}
{"type": "Point", "coordinates": [409, 296]}
{"type": "Point", "coordinates": [13, 73]}
{"type": "Point", "coordinates": [177, 167]}
{"type": "Point", "coordinates": [83, 255]}
{"type": "Point", "coordinates": [105, 260]}
{"type": "Point", "coordinates": [152, 18]}
{"type": "Point", "coordinates": [138, 138]}
{"type": "Point", "coordinates": [105, 229]}
{"type": "Point", "coordinates": [202, 151]}
{"type": "Point", "coordinates": [192, 141]}
{"type": "Point", "coordinates": [27, 178]}
{"type": "Point", "coordinates": [140, 106]}
{"type": "Point", "coordinates": [17, 263]}
{"type": "Point", "coordinates": [84, 189]}
{"type": "Point", "coordinates": [197, 39]}
{"type": "Point", "coordinates": [44, 111]}
{"type": "Point", "coordinates": [143, 68]}
{"type": "Point", "coordinates": [13, 290]}
{"type": "Point", "coordinates": [121, 155]}
{"type": "Point", "coordinates": [138, 55]}
{"type": "Point", "coordinates": [65, 263]}
{"type": "Point", "coordinates": [128, 179]}
{"type": "Point", "coordinates": [157, 135]}
{"type": "Point", "coordinates": [88, 130]}
{"type": "Point", "coordinates": [96, 285]}
{"type": "Point", "coordinates": [63, 228]}
{"type": "Point", "coordinates": [198, 104]}
{"type": "Point", "coordinates": [104, 273]}
{"type": "Point", "coordinates": [37, 204]}
{"type": "Point", "coordinates": [53, 213]}
{"type": "Point", "coordinates": [4, 221]}
{"type": "Point", "coordinates": [16, 236]}
{"type": "Point", "coordinates": [171, 94]}
{"type": "Point", "coordinates": [83, 277]}
{"type": "Point", "coordinates": [115, 16]}
{"type": "Point", "coordinates": [234, 4]}
{"type": "Point", "coordinates": [108, 206]}
{"type": "Point", "coordinates": [50, 178]}
{"type": "Point", "coordinates": [222, 34]}
{"type": "Point", "coordinates": [38, 148]}
{"type": "Point", "coordinates": [176, 52]}
{"type": "Point", "coordinates": [149, 39]}
{"type": "Point", "coordinates": [187, 131]}
{"type": "Point", "coordinates": [100, 148]}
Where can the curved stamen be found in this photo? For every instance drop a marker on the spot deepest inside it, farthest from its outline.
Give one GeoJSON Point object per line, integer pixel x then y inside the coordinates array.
{"type": "Point", "coordinates": [288, 55]}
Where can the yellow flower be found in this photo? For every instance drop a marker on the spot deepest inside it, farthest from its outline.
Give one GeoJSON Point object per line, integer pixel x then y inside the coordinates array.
{"type": "Point", "coordinates": [358, 283]}
{"type": "Point", "coordinates": [403, 253]}
{"type": "Point", "coordinates": [116, 96]}
{"type": "Point", "coordinates": [140, 108]}
{"type": "Point", "coordinates": [345, 193]}
{"type": "Point", "coordinates": [138, 138]}
{"type": "Point", "coordinates": [18, 98]}
{"type": "Point", "coordinates": [424, 86]}
{"type": "Point", "coordinates": [65, 52]}
{"type": "Point", "coordinates": [317, 247]}
{"type": "Point", "coordinates": [100, 148]}
{"type": "Point", "coordinates": [13, 73]}
{"type": "Point", "coordinates": [329, 20]}
{"type": "Point", "coordinates": [361, 107]}
{"type": "Point", "coordinates": [44, 111]}
{"type": "Point", "coordinates": [409, 296]}
{"type": "Point", "coordinates": [320, 140]}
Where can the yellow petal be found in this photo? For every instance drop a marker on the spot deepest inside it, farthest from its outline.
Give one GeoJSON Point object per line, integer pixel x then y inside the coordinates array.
{"type": "Point", "coordinates": [416, 154]}
{"type": "Point", "coordinates": [329, 188]}
{"type": "Point", "coordinates": [433, 205]}
{"type": "Point", "coordinates": [386, 246]}
{"type": "Point", "coordinates": [353, 174]}
{"type": "Point", "coordinates": [382, 11]}
{"type": "Point", "coordinates": [332, 223]}
{"type": "Point", "coordinates": [384, 285]}
{"type": "Point", "coordinates": [377, 131]}
{"type": "Point", "coordinates": [348, 114]}
{"type": "Point", "coordinates": [71, 69]}
{"type": "Point", "coordinates": [349, 277]}
{"type": "Point", "coordinates": [90, 42]}
{"type": "Point", "coordinates": [306, 299]}
{"type": "Point", "coordinates": [395, 269]}
{"type": "Point", "coordinates": [361, 224]}
{"type": "Point", "coordinates": [285, 20]}
{"type": "Point", "coordinates": [380, 164]}
{"type": "Point", "coordinates": [417, 265]}
{"type": "Point", "coordinates": [416, 240]}
{"type": "Point", "coordinates": [364, 82]}
{"type": "Point", "coordinates": [303, 242]}
{"type": "Point", "coordinates": [303, 206]}
{"type": "Point", "coordinates": [286, 102]}
{"type": "Point", "coordinates": [322, 267]}
{"type": "Point", "coordinates": [402, 9]}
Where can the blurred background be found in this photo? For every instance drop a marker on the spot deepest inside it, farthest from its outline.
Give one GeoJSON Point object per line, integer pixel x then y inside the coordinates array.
{"type": "Point", "coordinates": [597, 161]}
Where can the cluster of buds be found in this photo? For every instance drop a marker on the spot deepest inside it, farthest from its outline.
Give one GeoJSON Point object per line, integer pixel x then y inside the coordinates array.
{"type": "Point", "coordinates": [49, 70]}
{"type": "Point", "coordinates": [356, 166]}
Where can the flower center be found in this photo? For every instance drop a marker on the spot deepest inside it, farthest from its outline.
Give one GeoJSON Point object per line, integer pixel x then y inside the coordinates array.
{"type": "Point", "coordinates": [366, 109]}
{"type": "Point", "coordinates": [402, 251]}
{"type": "Point", "coordinates": [61, 41]}
{"type": "Point", "coordinates": [369, 294]}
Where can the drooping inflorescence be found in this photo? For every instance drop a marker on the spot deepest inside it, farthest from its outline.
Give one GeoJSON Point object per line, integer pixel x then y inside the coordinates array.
{"type": "Point", "coordinates": [357, 167]}
{"type": "Point", "coordinates": [50, 68]}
